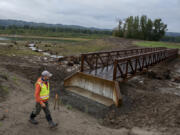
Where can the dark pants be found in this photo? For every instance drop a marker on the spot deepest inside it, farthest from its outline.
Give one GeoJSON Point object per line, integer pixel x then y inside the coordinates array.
{"type": "Point", "coordinates": [38, 109]}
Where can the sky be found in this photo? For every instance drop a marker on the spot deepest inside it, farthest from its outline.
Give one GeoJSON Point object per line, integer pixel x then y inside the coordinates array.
{"type": "Point", "coordinates": [91, 13]}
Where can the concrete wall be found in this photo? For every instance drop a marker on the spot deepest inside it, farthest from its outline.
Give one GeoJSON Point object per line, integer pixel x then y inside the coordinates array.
{"type": "Point", "coordinates": [93, 84]}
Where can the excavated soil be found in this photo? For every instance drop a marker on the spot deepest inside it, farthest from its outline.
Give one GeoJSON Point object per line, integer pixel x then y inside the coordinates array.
{"type": "Point", "coordinates": [150, 100]}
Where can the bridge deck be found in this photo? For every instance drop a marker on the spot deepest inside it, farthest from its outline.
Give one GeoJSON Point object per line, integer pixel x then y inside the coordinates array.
{"type": "Point", "coordinates": [105, 73]}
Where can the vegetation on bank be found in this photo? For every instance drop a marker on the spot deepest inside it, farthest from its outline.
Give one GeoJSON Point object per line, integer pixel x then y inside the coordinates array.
{"type": "Point", "coordinates": [60, 47]}
{"type": "Point", "coordinates": [157, 44]}
{"type": "Point", "coordinates": [17, 49]}
{"type": "Point", "coordinates": [76, 48]}
{"type": "Point", "coordinates": [141, 28]}
{"type": "Point", "coordinates": [45, 39]}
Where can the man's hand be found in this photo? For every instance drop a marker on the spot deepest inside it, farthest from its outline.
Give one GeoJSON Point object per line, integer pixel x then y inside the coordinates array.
{"type": "Point", "coordinates": [43, 105]}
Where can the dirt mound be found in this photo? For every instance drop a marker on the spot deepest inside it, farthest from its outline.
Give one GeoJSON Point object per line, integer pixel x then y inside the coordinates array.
{"type": "Point", "coordinates": [150, 100]}
{"type": "Point", "coordinates": [145, 110]}
{"type": "Point", "coordinates": [33, 72]}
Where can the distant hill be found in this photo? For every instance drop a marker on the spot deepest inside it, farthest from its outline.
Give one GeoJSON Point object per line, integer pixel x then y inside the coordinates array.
{"type": "Point", "coordinates": [20, 23]}
{"type": "Point", "coordinates": [23, 23]}
{"type": "Point", "coordinates": [173, 34]}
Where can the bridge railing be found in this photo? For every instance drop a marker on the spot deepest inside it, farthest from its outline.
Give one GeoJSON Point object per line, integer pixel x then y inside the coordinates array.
{"type": "Point", "coordinates": [126, 67]}
{"type": "Point", "coordinates": [92, 61]}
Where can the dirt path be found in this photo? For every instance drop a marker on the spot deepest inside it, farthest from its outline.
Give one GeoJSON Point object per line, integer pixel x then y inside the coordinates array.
{"type": "Point", "coordinates": [15, 110]}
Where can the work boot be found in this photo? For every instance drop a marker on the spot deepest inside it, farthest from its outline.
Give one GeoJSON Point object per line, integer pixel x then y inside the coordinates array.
{"type": "Point", "coordinates": [52, 124]}
{"type": "Point", "coordinates": [33, 121]}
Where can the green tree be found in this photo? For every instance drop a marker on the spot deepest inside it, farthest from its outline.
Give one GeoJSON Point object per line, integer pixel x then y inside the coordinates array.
{"type": "Point", "coordinates": [143, 23]}
{"type": "Point", "coordinates": [130, 28]}
{"type": "Point", "coordinates": [149, 30]}
{"type": "Point", "coordinates": [159, 29]}
{"type": "Point", "coordinates": [143, 28]}
{"type": "Point", "coordinates": [136, 27]}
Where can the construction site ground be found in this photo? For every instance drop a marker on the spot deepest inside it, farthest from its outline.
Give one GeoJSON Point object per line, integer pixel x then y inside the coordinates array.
{"type": "Point", "coordinates": [151, 101]}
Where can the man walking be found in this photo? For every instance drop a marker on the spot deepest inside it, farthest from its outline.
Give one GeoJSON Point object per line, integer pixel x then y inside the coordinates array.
{"type": "Point", "coordinates": [42, 90]}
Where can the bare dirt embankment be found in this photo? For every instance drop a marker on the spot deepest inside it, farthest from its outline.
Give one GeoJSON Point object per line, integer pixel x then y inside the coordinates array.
{"type": "Point", "coordinates": [151, 101]}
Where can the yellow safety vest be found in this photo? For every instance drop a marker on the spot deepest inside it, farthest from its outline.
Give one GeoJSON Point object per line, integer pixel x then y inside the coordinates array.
{"type": "Point", "coordinates": [44, 93]}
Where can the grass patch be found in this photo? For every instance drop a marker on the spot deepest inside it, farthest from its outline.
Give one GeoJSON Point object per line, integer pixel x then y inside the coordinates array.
{"type": "Point", "coordinates": [66, 49]}
{"type": "Point", "coordinates": [157, 44]}
{"type": "Point", "coordinates": [62, 47]}
{"type": "Point", "coordinates": [14, 52]}
{"type": "Point", "coordinates": [69, 107]}
{"type": "Point", "coordinates": [18, 50]}
{"type": "Point", "coordinates": [86, 109]}
{"type": "Point", "coordinates": [49, 39]}
{"type": "Point", "coordinates": [4, 90]}
{"type": "Point", "coordinates": [45, 39]}
{"type": "Point", "coordinates": [15, 79]}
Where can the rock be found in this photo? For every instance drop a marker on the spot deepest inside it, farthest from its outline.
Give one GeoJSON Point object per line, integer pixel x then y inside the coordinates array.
{"type": "Point", "coordinates": [47, 45]}
{"type": "Point", "coordinates": [112, 121]}
{"type": "Point", "coordinates": [177, 79]}
{"type": "Point", "coordinates": [27, 45]}
{"type": "Point", "coordinates": [142, 82]}
{"type": "Point", "coordinates": [159, 75]}
{"type": "Point", "coordinates": [5, 77]}
{"type": "Point", "coordinates": [15, 42]}
{"type": "Point", "coordinates": [51, 52]}
{"type": "Point", "coordinates": [61, 59]}
{"type": "Point", "coordinates": [32, 45]}
{"type": "Point", "coordinates": [65, 62]}
{"type": "Point", "coordinates": [10, 46]}
{"type": "Point", "coordinates": [70, 63]}
{"type": "Point", "coordinates": [166, 74]}
{"type": "Point", "coordinates": [2, 117]}
{"type": "Point", "coordinates": [76, 62]}
{"type": "Point", "coordinates": [45, 58]}
{"type": "Point", "coordinates": [151, 74]}
{"type": "Point", "coordinates": [69, 70]}
{"type": "Point", "coordinates": [138, 131]}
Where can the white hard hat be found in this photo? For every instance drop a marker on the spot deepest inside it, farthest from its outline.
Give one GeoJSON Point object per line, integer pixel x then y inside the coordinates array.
{"type": "Point", "coordinates": [46, 73]}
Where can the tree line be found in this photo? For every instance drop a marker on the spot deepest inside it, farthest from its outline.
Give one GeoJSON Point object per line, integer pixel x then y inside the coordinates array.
{"type": "Point", "coordinates": [171, 39]}
{"type": "Point", "coordinates": [51, 31]}
{"type": "Point", "coordinates": [140, 28]}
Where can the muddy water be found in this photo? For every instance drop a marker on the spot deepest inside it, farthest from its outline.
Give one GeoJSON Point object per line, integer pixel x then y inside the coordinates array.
{"type": "Point", "coordinates": [33, 48]}
{"type": "Point", "coordinates": [3, 38]}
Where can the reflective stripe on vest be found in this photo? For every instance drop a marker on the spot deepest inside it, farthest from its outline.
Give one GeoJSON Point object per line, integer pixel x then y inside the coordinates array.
{"type": "Point", "coordinates": [44, 97]}
{"type": "Point", "coordinates": [44, 93]}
